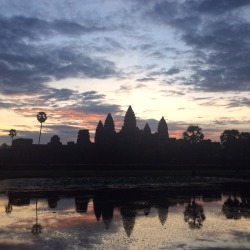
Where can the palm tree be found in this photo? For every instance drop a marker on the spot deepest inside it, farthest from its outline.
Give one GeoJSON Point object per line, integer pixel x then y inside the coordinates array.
{"type": "Point", "coordinates": [194, 215]}
{"type": "Point", "coordinates": [12, 133]}
{"type": "Point", "coordinates": [41, 117]}
{"type": "Point", "coordinates": [8, 208]}
{"type": "Point", "coordinates": [36, 228]}
{"type": "Point", "coordinates": [232, 208]}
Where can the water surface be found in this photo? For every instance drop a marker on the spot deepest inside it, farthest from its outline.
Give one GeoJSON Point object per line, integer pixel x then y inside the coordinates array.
{"type": "Point", "coordinates": [124, 213]}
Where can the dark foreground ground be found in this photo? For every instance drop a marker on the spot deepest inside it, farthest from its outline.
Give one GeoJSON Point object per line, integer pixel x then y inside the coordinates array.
{"type": "Point", "coordinates": [123, 170]}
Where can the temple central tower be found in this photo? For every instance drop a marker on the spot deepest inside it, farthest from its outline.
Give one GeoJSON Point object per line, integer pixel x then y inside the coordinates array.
{"type": "Point", "coordinates": [129, 127]}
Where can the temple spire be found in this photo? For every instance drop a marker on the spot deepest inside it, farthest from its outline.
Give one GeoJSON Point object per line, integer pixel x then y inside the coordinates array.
{"type": "Point", "coordinates": [147, 130]}
{"type": "Point", "coordinates": [99, 132]}
{"type": "Point", "coordinates": [109, 130]}
{"type": "Point", "coordinates": [163, 129]}
{"type": "Point", "coordinates": [109, 125]}
{"type": "Point", "coordinates": [129, 126]}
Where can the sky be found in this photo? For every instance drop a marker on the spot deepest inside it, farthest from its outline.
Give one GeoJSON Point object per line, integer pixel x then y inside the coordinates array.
{"type": "Point", "coordinates": [186, 60]}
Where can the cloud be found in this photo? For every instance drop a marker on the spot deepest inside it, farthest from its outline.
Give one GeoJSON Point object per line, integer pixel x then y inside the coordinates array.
{"type": "Point", "coordinates": [164, 72]}
{"type": "Point", "coordinates": [222, 70]}
{"type": "Point", "coordinates": [141, 86]}
{"type": "Point", "coordinates": [216, 36]}
{"type": "Point", "coordinates": [99, 108]}
{"type": "Point", "coordinates": [113, 44]}
{"type": "Point", "coordinates": [26, 63]}
{"type": "Point", "coordinates": [209, 31]}
{"type": "Point", "coordinates": [64, 122]}
{"type": "Point", "coordinates": [173, 71]}
{"type": "Point", "coordinates": [92, 95]}
{"type": "Point", "coordinates": [7, 104]}
{"type": "Point", "coordinates": [146, 79]}
{"type": "Point", "coordinates": [173, 92]}
{"type": "Point", "coordinates": [228, 121]}
{"type": "Point", "coordinates": [125, 88]}
{"type": "Point", "coordinates": [29, 73]}
{"type": "Point", "coordinates": [218, 7]}
{"type": "Point", "coordinates": [67, 110]}
{"type": "Point", "coordinates": [207, 101]}
{"type": "Point", "coordinates": [201, 98]}
{"type": "Point", "coordinates": [238, 102]}
{"type": "Point", "coordinates": [65, 132]}
{"type": "Point", "coordinates": [33, 28]}
{"type": "Point", "coordinates": [52, 98]}
{"type": "Point", "coordinates": [58, 94]}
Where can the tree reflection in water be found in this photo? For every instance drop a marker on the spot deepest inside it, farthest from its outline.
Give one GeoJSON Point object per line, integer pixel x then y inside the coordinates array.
{"type": "Point", "coordinates": [234, 209]}
{"type": "Point", "coordinates": [36, 228]}
{"type": "Point", "coordinates": [194, 215]}
{"type": "Point", "coordinates": [147, 209]}
{"type": "Point", "coordinates": [245, 208]}
{"type": "Point", "coordinates": [231, 208]}
{"type": "Point", "coordinates": [8, 208]}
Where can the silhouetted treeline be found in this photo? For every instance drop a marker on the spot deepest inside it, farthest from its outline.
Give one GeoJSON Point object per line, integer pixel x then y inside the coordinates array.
{"type": "Point", "coordinates": [132, 146]}
{"type": "Point", "coordinates": [140, 152]}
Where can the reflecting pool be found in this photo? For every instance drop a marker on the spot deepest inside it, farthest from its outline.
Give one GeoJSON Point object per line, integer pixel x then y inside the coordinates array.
{"type": "Point", "coordinates": [124, 213]}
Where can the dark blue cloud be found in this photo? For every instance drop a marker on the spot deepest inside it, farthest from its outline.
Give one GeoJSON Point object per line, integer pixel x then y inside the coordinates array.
{"type": "Point", "coordinates": [163, 72]}
{"type": "Point", "coordinates": [98, 108]}
{"type": "Point", "coordinates": [26, 64]}
{"type": "Point", "coordinates": [218, 7]}
{"type": "Point", "coordinates": [218, 60]}
{"type": "Point", "coordinates": [33, 28]}
{"type": "Point", "coordinates": [238, 102]}
{"type": "Point", "coordinates": [92, 95]}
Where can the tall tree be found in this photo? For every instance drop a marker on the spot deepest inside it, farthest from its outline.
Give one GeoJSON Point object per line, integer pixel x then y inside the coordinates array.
{"type": "Point", "coordinates": [41, 117]}
{"type": "Point", "coordinates": [229, 136]}
{"type": "Point", "coordinates": [4, 147]}
{"type": "Point", "coordinates": [193, 134]}
{"type": "Point", "coordinates": [55, 141]}
{"type": "Point", "coordinates": [244, 136]}
{"type": "Point", "coordinates": [12, 133]}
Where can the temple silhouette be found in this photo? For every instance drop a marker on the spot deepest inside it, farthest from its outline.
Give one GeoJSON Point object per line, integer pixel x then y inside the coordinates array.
{"type": "Point", "coordinates": [129, 135]}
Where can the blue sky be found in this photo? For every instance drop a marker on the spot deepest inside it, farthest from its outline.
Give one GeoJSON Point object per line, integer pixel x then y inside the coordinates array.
{"type": "Point", "coordinates": [79, 60]}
